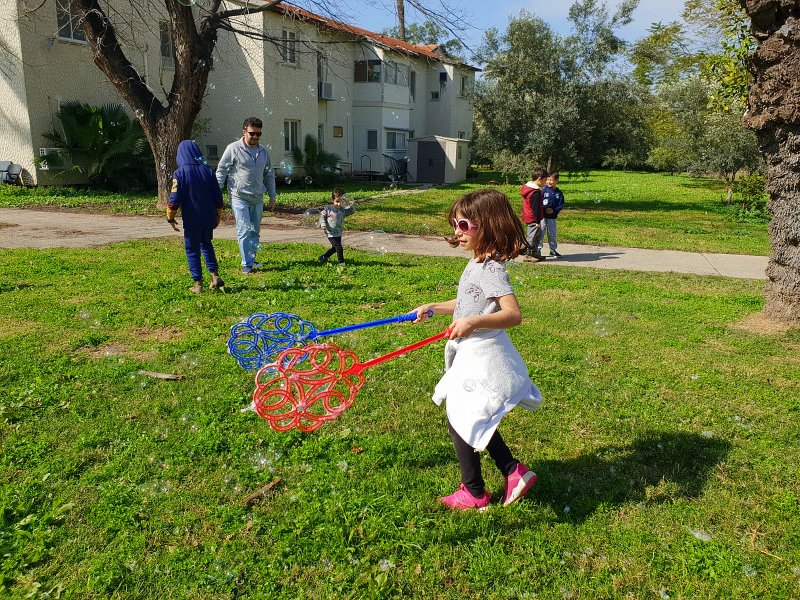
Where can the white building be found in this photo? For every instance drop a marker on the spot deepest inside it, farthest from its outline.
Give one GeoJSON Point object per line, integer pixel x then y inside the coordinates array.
{"type": "Point", "coordinates": [361, 94]}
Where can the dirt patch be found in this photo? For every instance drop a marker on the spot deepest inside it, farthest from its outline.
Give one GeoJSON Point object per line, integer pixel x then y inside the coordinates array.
{"type": "Point", "coordinates": [121, 350]}
{"type": "Point", "coordinates": [162, 334]}
{"type": "Point", "coordinates": [761, 324]}
{"type": "Point", "coordinates": [2, 225]}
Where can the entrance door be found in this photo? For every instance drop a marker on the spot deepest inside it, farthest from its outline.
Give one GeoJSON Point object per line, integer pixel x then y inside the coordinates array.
{"type": "Point", "coordinates": [430, 162]}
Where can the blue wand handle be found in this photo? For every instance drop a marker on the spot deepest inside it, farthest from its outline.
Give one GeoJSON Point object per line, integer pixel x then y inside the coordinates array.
{"type": "Point", "coordinates": [398, 319]}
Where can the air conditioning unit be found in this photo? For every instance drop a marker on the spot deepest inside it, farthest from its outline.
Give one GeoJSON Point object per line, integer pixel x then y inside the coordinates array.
{"type": "Point", "coordinates": [54, 159]}
{"type": "Point", "coordinates": [324, 90]}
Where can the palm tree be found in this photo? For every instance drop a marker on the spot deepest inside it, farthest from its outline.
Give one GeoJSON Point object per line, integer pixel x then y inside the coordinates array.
{"type": "Point", "coordinates": [773, 115]}
{"type": "Point", "coordinates": [104, 144]}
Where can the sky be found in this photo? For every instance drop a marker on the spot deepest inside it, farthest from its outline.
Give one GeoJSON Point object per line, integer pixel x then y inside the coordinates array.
{"type": "Point", "coordinates": [498, 13]}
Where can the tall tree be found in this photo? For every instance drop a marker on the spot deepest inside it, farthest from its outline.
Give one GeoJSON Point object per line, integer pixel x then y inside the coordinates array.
{"type": "Point", "coordinates": [554, 97]}
{"type": "Point", "coordinates": [429, 32]}
{"type": "Point", "coordinates": [774, 116]}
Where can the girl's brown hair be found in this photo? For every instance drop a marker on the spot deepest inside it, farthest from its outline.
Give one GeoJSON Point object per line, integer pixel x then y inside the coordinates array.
{"type": "Point", "coordinates": [337, 193]}
{"type": "Point", "coordinates": [500, 234]}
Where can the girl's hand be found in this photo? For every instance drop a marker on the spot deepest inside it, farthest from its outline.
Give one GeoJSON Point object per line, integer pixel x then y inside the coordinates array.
{"type": "Point", "coordinates": [462, 328]}
{"type": "Point", "coordinates": [422, 312]}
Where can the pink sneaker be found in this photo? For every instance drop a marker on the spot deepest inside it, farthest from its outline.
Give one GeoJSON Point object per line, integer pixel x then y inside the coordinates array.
{"type": "Point", "coordinates": [518, 484]}
{"type": "Point", "coordinates": [463, 500]}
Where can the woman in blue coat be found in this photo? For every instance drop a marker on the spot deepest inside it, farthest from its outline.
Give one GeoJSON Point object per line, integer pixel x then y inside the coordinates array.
{"type": "Point", "coordinates": [196, 192]}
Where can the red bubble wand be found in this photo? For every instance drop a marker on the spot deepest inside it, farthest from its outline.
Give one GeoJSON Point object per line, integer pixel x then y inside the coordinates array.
{"type": "Point", "coordinates": [307, 386]}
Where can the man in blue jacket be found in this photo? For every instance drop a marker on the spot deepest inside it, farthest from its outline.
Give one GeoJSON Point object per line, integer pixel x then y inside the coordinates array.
{"type": "Point", "coordinates": [196, 192]}
{"type": "Point", "coordinates": [247, 168]}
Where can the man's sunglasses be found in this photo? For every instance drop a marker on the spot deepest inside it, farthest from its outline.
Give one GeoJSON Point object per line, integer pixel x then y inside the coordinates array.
{"type": "Point", "coordinates": [254, 133]}
{"type": "Point", "coordinates": [464, 225]}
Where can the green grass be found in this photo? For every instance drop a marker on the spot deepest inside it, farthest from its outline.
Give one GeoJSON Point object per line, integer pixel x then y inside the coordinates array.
{"type": "Point", "coordinates": [605, 208]}
{"type": "Point", "coordinates": [667, 445]}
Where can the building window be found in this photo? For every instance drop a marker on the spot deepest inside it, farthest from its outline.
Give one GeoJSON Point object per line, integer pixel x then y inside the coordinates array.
{"type": "Point", "coordinates": [288, 42]}
{"type": "Point", "coordinates": [167, 48]}
{"type": "Point", "coordinates": [462, 135]}
{"type": "Point", "coordinates": [412, 86]}
{"type": "Point", "coordinates": [434, 95]}
{"type": "Point", "coordinates": [212, 152]}
{"type": "Point", "coordinates": [403, 75]}
{"type": "Point", "coordinates": [291, 135]}
{"type": "Point", "coordinates": [322, 67]}
{"type": "Point", "coordinates": [372, 139]}
{"type": "Point", "coordinates": [321, 136]}
{"type": "Point", "coordinates": [368, 70]}
{"type": "Point", "coordinates": [464, 90]}
{"type": "Point", "coordinates": [69, 27]}
{"type": "Point", "coordinates": [459, 154]}
{"type": "Point", "coordinates": [411, 134]}
{"type": "Point", "coordinates": [338, 131]}
{"type": "Point", "coordinates": [391, 72]}
{"type": "Point", "coordinates": [395, 140]}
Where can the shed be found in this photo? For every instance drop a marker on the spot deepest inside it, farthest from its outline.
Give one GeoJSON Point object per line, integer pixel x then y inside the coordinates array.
{"type": "Point", "coordinates": [437, 159]}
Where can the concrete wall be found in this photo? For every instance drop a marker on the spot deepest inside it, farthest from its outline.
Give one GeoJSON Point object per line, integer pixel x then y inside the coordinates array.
{"type": "Point", "coordinates": [15, 128]}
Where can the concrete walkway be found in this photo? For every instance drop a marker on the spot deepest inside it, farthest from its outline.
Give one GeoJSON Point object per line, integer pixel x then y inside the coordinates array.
{"type": "Point", "coordinates": [53, 229]}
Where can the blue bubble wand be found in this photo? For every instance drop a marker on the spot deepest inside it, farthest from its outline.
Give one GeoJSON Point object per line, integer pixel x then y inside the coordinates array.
{"type": "Point", "coordinates": [258, 339]}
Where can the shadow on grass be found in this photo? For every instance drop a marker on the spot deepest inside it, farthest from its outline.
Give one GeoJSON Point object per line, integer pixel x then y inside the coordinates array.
{"type": "Point", "coordinates": [658, 467]}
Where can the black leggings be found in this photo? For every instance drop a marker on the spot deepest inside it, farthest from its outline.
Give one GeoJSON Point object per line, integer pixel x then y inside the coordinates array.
{"type": "Point", "coordinates": [470, 460]}
{"type": "Point", "coordinates": [336, 246]}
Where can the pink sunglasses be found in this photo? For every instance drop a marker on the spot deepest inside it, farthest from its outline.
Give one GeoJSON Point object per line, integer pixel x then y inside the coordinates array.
{"type": "Point", "coordinates": [465, 226]}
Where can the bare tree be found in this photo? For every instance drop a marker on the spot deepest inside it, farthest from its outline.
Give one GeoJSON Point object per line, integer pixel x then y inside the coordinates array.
{"type": "Point", "coordinates": [774, 116]}
{"type": "Point", "coordinates": [194, 30]}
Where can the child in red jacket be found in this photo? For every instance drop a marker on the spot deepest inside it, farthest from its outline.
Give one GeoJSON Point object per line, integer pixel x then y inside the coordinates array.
{"type": "Point", "coordinates": [533, 212]}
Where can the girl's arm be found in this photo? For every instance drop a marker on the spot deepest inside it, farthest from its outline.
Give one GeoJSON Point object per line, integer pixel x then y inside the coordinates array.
{"type": "Point", "coordinates": [509, 315]}
{"type": "Point", "coordinates": [438, 308]}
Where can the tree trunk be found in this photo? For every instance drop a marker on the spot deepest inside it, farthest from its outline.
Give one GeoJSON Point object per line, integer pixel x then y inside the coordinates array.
{"type": "Point", "coordinates": [164, 126]}
{"type": "Point", "coordinates": [774, 115]}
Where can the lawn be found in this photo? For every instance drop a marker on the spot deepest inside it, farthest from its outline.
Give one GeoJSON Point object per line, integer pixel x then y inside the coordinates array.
{"type": "Point", "coordinates": [605, 208]}
{"type": "Point", "coordinates": [667, 445]}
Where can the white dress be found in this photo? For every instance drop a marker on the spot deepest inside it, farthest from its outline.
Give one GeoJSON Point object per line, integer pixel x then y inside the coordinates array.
{"type": "Point", "coordinates": [485, 376]}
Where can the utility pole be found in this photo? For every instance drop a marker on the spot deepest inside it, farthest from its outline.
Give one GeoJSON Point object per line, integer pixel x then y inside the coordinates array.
{"type": "Point", "coordinates": [401, 20]}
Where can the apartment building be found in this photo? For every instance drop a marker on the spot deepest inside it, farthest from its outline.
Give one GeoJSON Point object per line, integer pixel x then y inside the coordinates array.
{"type": "Point", "coordinates": [361, 94]}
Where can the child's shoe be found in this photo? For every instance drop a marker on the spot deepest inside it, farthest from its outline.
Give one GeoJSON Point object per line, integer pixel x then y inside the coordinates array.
{"type": "Point", "coordinates": [518, 483]}
{"type": "Point", "coordinates": [463, 500]}
{"type": "Point", "coordinates": [197, 287]}
{"type": "Point", "coordinates": [216, 282]}
{"type": "Point", "coordinates": [322, 259]}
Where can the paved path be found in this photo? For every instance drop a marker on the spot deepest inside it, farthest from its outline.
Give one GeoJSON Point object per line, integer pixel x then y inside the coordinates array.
{"type": "Point", "coordinates": [52, 229]}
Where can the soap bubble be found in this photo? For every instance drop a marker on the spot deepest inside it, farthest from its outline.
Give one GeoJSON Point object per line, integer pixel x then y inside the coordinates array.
{"type": "Point", "coordinates": [201, 64]}
{"type": "Point", "coordinates": [187, 2]}
{"type": "Point", "coordinates": [139, 113]}
{"type": "Point", "coordinates": [312, 91]}
{"type": "Point", "coordinates": [288, 180]}
{"type": "Point", "coordinates": [308, 180]}
{"type": "Point", "coordinates": [211, 86]}
{"type": "Point", "coordinates": [406, 159]}
{"type": "Point", "coordinates": [392, 186]}
{"type": "Point", "coordinates": [268, 111]}
{"type": "Point", "coordinates": [377, 242]}
{"type": "Point", "coordinates": [310, 218]}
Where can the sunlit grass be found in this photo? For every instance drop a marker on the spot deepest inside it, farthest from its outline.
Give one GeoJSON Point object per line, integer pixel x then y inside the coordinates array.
{"type": "Point", "coordinates": [666, 446]}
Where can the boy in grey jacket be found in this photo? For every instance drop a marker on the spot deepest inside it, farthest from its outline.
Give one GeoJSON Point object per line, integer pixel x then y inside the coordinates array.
{"type": "Point", "coordinates": [247, 168]}
{"type": "Point", "coordinates": [332, 221]}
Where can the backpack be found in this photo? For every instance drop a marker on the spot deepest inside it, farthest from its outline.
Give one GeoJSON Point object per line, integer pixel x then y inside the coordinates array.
{"type": "Point", "coordinates": [10, 172]}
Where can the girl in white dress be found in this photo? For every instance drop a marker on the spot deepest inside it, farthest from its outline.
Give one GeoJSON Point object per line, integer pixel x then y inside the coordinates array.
{"type": "Point", "coordinates": [485, 375]}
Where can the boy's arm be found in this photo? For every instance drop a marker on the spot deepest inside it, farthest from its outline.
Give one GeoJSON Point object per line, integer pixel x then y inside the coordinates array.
{"type": "Point", "coordinates": [559, 201]}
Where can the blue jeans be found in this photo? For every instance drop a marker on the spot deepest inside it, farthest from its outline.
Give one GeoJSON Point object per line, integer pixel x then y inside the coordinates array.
{"type": "Point", "coordinates": [197, 241]}
{"type": "Point", "coordinates": [548, 226]}
{"type": "Point", "coordinates": [248, 227]}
